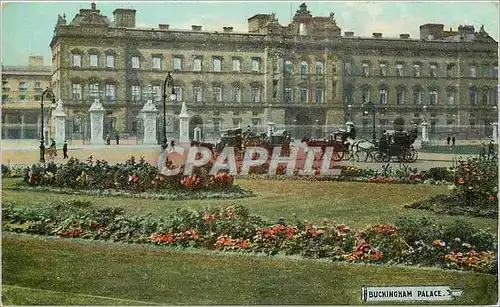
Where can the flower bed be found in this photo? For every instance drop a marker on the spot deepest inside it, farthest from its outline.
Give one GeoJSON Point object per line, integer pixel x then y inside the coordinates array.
{"type": "Point", "coordinates": [474, 191]}
{"type": "Point", "coordinates": [457, 245]}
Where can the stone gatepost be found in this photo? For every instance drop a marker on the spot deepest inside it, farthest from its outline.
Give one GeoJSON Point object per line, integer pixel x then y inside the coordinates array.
{"type": "Point", "coordinates": [149, 113]}
{"type": "Point", "coordinates": [495, 133]}
{"type": "Point", "coordinates": [270, 128]}
{"type": "Point", "coordinates": [60, 123]}
{"type": "Point", "coordinates": [184, 125]}
{"type": "Point", "coordinates": [96, 123]}
{"type": "Point", "coordinates": [425, 133]}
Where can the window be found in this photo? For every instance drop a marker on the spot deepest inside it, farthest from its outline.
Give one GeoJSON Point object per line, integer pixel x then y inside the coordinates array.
{"type": "Point", "coordinates": [157, 63]}
{"type": "Point", "coordinates": [236, 94]}
{"type": "Point", "coordinates": [136, 93]}
{"type": "Point", "coordinates": [156, 91]}
{"type": "Point", "coordinates": [473, 96]}
{"type": "Point", "coordinates": [23, 86]}
{"type": "Point", "coordinates": [366, 95]}
{"type": "Point", "coordinates": [76, 91]}
{"type": "Point", "coordinates": [256, 64]}
{"type": "Point", "coordinates": [320, 69]}
{"type": "Point", "coordinates": [400, 96]}
{"type": "Point", "coordinates": [197, 64]}
{"type": "Point", "coordinates": [178, 94]}
{"type": "Point", "coordinates": [136, 62]}
{"type": "Point", "coordinates": [450, 70]}
{"type": "Point", "coordinates": [472, 123]}
{"type": "Point", "coordinates": [383, 69]}
{"type": "Point", "coordinates": [22, 98]}
{"type": "Point", "coordinates": [110, 61]}
{"type": "Point", "coordinates": [38, 85]}
{"type": "Point", "coordinates": [288, 95]}
{"type": "Point", "coordinates": [217, 64]}
{"type": "Point", "coordinates": [38, 97]}
{"type": "Point", "coordinates": [416, 70]}
{"type": "Point", "coordinates": [485, 70]}
{"type": "Point", "coordinates": [348, 93]}
{"type": "Point", "coordinates": [197, 94]}
{"type": "Point", "coordinates": [304, 68]}
{"type": "Point", "coordinates": [433, 71]}
{"type": "Point", "coordinates": [433, 97]}
{"type": "Point", "coordinates": [217, 125]}
{"type": "Point", "coordinates": [347, 68]}
{"type": "Point", "coordinates": [304, 95]}
{"type": "Point", "coordinates": [177, 63]}
{"type": "Point", "coordinates": [94, 91]}
{"type": "Point", "coordinates": [417, 96]}
{"type": "Point", "coordinates": [495, 72]}
{"type": "Point", "coordinates": [255, 94]}
{"type": "Point", "coordinates": [400, 70]}
{"type": "Point", "coordinates": [288, 67]}
{"type": "Point", "coordinates": [484, 97]}
{"type": "Point", "coordinates": [450, 96]}
{"type": "Point", "coordinates": [76, 60]}
{"type": "Point", "coordinates": [236, 64]}
{"type": "Point", "coordinates": [109, 92]}
{"type": "Point", "coordinates": [94, 60]}
{"type": "Point", "coordinates": [383, 96]}
{"type": "Point", "coordinates": [366, 69]}
{"type": "Point", "coordinates": [319, 95]}
{"type": "Point", "coordinates": [217, 92]}
{"type": "Point", "coordinates": [472, 71]}
{"type": "Point", "coordinates": [5, 98]}
{"type": "Point", "coordinates": [494, 97]}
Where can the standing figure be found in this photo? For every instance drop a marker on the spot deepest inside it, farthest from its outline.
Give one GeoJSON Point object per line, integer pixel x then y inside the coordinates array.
{"type": "Point", "coordinates": [453, 141]}
{"type": "Point", "coordinates": [65, 150]}
{"type": "Point", "coordinates": [117, 139]}
{"type": "Point", "coordinates": [108, 140]}
{"type": "Point", "coordinates": [448, 140]}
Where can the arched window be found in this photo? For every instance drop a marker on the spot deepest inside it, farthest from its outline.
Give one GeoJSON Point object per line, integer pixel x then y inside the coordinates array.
{"type": "Point", "coordinates": [304, 68]}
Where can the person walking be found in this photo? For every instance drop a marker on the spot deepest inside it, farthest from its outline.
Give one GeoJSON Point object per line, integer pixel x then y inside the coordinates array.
{"type": "Point", "coordinates": [117, 139]}
{"type": "Point", "coordinates": [65, 150]}
{"type": "Point", "coordinates": [448, 140]}
{"type": "Point", "coordinates": [453, 141]}
{"type": "Point", "coordinates": [108, 140]}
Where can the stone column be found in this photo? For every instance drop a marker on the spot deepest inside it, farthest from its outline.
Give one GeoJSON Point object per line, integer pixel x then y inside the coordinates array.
{"type": "Point", "coordinates": [148, 113]}
{"type": "Point", "coordinates": [425, 134]}
{"type": "Point", "coordinates": [96, 123]}
{"type": "Point", "coordinates": [184, 125]}
{"type": "Point", "coordinates": [60, 124]}
{"type": "Point", "coordinates": [495, 132]}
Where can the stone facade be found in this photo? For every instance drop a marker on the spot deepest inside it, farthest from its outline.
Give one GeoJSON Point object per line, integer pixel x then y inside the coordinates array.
{"type": "Point", "coordinates": [305, 73]}
{"type": "Point", "coordinates": [22, 88]}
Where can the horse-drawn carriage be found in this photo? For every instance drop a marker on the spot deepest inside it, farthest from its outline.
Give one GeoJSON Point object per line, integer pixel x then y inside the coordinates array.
{"type": "Point", "coordinates": [396, 144]}
{"type": "Point", "coordinates": [339, 142]}
{"type": "Point", "coordinates": [240, 140]}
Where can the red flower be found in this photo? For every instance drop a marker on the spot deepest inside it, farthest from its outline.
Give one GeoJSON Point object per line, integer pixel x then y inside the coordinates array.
{"type": "Point", "coordinates": [492, 197]}
{"type": "Point", "coordinates": [460, 180]}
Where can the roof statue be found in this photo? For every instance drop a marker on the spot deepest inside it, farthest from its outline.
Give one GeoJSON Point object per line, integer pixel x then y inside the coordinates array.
{"type": "Point", "coordinates": [332, 16]}
{"type": "Point", "coordinates": [303, 9]}
{"type": "Point", "coordinates": [93, 6]}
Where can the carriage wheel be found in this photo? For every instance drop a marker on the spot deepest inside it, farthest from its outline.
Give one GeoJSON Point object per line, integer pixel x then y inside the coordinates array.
{"type": "Point", "coordinates": [337, 155]}
{"type": "Point", "coordinates": [381, 157]}
{"type": "Point", "coordinates": [412, 155]}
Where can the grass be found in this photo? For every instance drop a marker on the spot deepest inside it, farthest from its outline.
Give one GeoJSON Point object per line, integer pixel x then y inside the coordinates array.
{"type": "Point", "coordinates": [471, 149]}
{"type": "Point", "coordinates": [355, 204]}
{"type": "Point", "coordinates": [52, 271]}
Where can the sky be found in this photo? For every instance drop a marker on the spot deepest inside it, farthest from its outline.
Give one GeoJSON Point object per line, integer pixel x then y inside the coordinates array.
{"type": "Point", "coordinates": [27, 27]}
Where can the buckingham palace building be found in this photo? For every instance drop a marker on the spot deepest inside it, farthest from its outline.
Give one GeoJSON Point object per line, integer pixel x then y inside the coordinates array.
{"type": "Point", "coordinates": [309, 73]}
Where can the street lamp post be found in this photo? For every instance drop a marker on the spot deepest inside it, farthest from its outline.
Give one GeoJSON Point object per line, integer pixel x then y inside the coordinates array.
{"type": "Point", "coordinates": [295, 128]}
{"type": "Point", "coordinates": [169, 81]}
{"type": "Point", "coordinates": [50, 94]}
{"type": "Point", "coordinates": [370, 107]}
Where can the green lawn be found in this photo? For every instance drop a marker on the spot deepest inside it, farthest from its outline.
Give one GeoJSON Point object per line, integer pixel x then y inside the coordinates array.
{"type": "Point", "coordinates": [355, 204]}
{"type": "Point", "coordinates": [457, 149]}
{"type": "Point", "coordinates": [51, 271]}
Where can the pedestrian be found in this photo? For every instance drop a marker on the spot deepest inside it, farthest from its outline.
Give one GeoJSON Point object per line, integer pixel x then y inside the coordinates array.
{"type": "Point", "coordinates": [65, 150]}
{"type": "Point", "coordinates": [448, 140]}
{"type": "Point", "coordinates": [453, 141]}
{"type": "Point", "coordinates": [117, 139]}
{"type": "Point", "coordinates": [108, 140]}
{"type": "Point", "coordinates": [172, 143]}
{"type": "Point", "coordinates": [491, 150]}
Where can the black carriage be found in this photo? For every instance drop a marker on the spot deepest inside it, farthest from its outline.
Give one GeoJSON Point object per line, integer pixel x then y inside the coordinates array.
{"type": "Point", "coordinates": [231, 137]}
{"type": "Point", "coordinates": [396, 144]}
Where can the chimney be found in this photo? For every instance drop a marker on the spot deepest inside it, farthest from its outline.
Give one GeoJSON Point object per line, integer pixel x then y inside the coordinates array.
{"type": "Point", "coordinates": [124, 18]}
{"type": "Point", "coordinates": [196, 28]}
{"type": "Point", "coordinates": [163, 26]}
{"type": "Point", "coordinates": [349, 34]}
{"type": "Point", "coordinates": [404, 36]}
{"type": "Point", "coordinates": [227, 29]}
{"type": "Point", "coordinates": [36, 61]}
{"type": "Point", "coordinates": [377, 35]}
{"type": "Point", "coordinates": [433, 30]}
